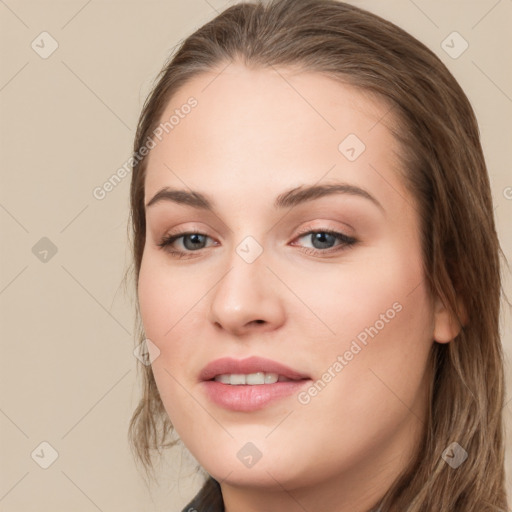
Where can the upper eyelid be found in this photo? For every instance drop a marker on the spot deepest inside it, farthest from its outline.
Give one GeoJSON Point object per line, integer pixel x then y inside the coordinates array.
{"type": "Point", "coordinates": [301, 232]}
{"type": "Point", "coordinates": [322, 227]}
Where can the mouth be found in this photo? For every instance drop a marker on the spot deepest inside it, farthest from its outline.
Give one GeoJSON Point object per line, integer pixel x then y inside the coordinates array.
{"type": "Point", "coordinates": [251, 379]}
{"type": "Point", "coordinates": [249, 384]}
{"type": "Point", "coordinates": [252, 370]}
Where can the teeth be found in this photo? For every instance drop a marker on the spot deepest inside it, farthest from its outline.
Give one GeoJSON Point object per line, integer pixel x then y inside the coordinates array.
{"type": "Point", "coordinates": [251, 379]}
{"type": "Point", "coordinates": [258, 378]}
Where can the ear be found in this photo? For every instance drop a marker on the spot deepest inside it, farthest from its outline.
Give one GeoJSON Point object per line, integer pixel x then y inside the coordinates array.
{"type": "Point", "coordinates": [446, 324]}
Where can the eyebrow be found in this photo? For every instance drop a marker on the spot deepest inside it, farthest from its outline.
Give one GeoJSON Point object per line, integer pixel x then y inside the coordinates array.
{"type": "Point", "coordinates": [288, 199]}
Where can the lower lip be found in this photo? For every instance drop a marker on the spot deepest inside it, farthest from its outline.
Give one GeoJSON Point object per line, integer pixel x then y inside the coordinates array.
{"type": "Point", "coordinates": [248, 398]}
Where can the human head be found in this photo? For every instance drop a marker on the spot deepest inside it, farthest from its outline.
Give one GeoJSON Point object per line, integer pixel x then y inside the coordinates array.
{"type": "Point", "coordinates": [445, 173]}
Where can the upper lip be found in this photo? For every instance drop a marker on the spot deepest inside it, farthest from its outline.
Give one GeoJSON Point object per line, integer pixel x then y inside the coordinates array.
{"type": "Point", "coordinates": [254, 364]}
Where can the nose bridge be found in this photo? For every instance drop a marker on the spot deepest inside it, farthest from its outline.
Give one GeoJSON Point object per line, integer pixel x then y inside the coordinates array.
{"type": "Point", "coordinates": [244, 295]}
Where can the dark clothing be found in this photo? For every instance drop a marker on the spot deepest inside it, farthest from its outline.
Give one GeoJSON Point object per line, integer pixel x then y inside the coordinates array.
{"type": "Point", "coordinates": [208, 499]}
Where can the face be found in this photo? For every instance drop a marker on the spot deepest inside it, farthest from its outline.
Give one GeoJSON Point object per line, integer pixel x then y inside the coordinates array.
{"type": "Point", "coordinates": [303, 250]}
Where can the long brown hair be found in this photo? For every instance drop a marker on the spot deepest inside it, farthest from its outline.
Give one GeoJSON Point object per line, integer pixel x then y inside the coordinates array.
{"type": "Point", "coordinates": [445, 172]}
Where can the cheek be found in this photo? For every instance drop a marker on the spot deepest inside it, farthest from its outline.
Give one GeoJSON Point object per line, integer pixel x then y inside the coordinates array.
{"type": "Point", "coordinates": [163, 302]}
{"type": "Point", "coordinates": [165, 297]}
{"type": "Point", "coordinates": [171, 303]}
{"type": "Point", "coordinates": [381, 324]}
{"type": "Point", "coordinates": [380, 296]}
{"type": "Point", "coordinates": [360, 408]}
{"type": "Point", "coordinates": [385, 337]}
{"type": "Point", "coordinates": [154, 302]}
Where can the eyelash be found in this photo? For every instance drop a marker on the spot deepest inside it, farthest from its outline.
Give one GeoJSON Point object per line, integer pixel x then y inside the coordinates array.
{"type": "Point", "coordinates": [346, 242]}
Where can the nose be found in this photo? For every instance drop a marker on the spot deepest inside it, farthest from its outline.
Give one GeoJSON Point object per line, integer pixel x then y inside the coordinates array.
{"type": "Point", "coordinates": [247, 298]}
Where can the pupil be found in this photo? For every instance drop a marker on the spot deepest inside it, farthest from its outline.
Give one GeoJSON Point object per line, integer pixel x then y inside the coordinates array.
{"type": "Point", "coordinates": [320, 237]}
{"type": "Point", "coordinates": [195, 239]}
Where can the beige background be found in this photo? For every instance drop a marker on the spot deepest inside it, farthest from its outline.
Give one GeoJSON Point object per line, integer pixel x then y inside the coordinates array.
{"type": "Point", "coordinates": [68, 373]}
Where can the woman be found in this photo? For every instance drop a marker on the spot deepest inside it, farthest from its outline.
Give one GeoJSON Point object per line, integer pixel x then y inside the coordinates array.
{"type": "Point", "coordinates": [317, 269]}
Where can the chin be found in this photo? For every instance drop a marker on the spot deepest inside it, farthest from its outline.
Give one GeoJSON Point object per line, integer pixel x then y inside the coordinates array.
{"type": "Point", "coordinates": [264, 477]}
{"type": "Point", "coordinates": [270, 471]}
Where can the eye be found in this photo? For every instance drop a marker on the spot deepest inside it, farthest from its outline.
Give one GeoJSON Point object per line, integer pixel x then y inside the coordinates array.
{"type": "Point", "coordinates": [324, 240]}
{"type": "Point", "coordinates": [193, 241]}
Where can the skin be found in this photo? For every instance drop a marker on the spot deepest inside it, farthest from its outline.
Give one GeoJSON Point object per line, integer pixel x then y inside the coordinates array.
{"type": "Point", "coordinates": [253, 135]}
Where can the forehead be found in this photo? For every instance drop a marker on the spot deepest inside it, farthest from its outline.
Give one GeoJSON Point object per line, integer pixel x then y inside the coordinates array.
{"type": "Point", "coordinates": [269, 126]}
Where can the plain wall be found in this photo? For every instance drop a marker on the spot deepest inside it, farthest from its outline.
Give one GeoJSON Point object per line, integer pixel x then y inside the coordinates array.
{"type": "Point", "coordinates": [68, 373]}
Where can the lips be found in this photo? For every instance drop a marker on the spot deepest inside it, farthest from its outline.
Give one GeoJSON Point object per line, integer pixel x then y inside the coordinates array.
{"type": "Point", "coordinates": [227, 365]}
{"type": "Point", "coordinates": [245, 397]}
